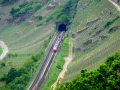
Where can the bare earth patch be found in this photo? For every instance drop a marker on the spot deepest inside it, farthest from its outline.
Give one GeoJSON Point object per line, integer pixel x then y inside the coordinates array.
{"type": "Point", "coordinates": [67, 61]}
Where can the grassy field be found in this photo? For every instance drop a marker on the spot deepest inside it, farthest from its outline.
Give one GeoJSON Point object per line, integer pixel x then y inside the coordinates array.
{"type": "Point", "coordinates": [0, 50]}
{"type": "Point", "coordinates": [95, 52]}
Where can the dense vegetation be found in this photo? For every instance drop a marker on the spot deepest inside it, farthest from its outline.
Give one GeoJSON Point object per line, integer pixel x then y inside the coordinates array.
{"type": "Point", "coordinates": [110, 22]}
{"type": "Point", "coordinates": [25, 10]}
{"type": "Point", "coordinates": [7, 1]}
{"type": "Point", "coordinates": [65, 12]}
{"type": "Point", "coordinates": [106, 77]}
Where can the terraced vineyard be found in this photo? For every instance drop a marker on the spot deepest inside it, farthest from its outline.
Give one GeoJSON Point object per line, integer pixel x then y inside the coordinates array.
{"type": "Point", "coordinates": [94, 29]}
{"type": "Point", "coordinates": [93, 41]}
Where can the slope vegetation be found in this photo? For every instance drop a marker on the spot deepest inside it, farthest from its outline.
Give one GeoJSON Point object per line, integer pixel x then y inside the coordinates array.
{"type": "Point", "coordinates": [106, 77]}
{"type": "Point", "coordinates": [95, 30]}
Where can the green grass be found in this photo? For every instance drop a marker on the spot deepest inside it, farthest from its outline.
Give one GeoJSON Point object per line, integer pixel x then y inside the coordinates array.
{"type": "Point", "coordinates": [56, 66]}
{"type": "Point", "coordinates": [1, 50]}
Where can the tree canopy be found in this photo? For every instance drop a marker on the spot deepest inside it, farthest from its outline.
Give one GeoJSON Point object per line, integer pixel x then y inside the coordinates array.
{"type": "Point", "coordinates": [106, 77]}
{"type": "Point", "coordinates": [7, 1]}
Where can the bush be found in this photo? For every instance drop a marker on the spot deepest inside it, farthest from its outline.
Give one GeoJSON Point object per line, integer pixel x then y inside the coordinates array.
{"type": "Point", "coordinates": [39, 17]}
{"type": "Point", "coordinates": [7, 1]}
{"type": "Point", "coordinates": [3, 64]}
{"type": "Point", "coordinates": [12, 74]}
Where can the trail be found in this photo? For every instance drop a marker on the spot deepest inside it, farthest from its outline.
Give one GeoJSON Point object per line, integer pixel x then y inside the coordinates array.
{"type": "Point", "coordinates": [5, 49]}
{"type": "Point", "coordinates": [115, 4]}
{"type": "Point", "coordinates": [67, 61]}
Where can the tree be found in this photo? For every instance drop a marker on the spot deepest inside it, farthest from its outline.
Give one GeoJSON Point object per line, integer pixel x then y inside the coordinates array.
{"type": "Point", "coordinates": [22, 70]}
{"type": "Point", "coordinates": [12, 74]}
{"type": "Point", "coordinates": [29, 63]}
{"type": "Point", "coordinates": [3, 64]}
{"type": "Point", "coordinates": [63, 18]}
{"type": "Point", "coordinates": [7, 1]}
{"type": "Point", "coordinates": [34, 58]}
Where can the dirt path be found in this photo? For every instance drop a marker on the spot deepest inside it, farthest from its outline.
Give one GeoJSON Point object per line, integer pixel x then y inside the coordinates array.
{"type": "Point", "coordinates": [5, 49]}
{"type": "Point", "coordinates": [115, 4]}
{"type": "Point", "coordinates": [67, 61]}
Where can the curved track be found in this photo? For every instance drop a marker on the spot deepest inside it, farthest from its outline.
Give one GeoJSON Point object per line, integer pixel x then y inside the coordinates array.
{"type": "Point", "coordinates": [44, 67]}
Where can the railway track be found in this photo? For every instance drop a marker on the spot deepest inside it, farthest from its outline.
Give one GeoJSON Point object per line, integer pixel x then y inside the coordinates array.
{"type": "Point", "coordinates": [44, 67]}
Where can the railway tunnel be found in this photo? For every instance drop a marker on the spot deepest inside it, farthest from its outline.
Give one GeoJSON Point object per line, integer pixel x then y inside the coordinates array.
{"type": "Point", "coordinates": [61, 26]}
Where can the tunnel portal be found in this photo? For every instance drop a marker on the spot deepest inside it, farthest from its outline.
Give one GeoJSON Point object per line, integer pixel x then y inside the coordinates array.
{"type": "Point", "coordinates": [61, 26]}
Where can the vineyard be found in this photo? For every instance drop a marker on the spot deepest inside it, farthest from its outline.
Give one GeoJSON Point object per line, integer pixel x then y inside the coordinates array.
{"type": "Point", "coordinates": [27, 26]}
{"type": "Point", "coordinates": [95, 31]}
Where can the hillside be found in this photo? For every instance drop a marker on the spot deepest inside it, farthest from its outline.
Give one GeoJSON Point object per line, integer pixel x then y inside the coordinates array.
{"type": "Point", "coordinates": [106, 77]}
{"type": "Point", "coordinates": [95, 32]}
{"type": "Point", "coordinates": [27, 27]}
{"type": "Point", "coordinates": [26, 33]}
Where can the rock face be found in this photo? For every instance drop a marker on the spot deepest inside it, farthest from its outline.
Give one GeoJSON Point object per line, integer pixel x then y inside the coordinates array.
{"type": "Point", "coordinates": [99, 31]}
{"type": "Point", "coordinates": [93, 21]}
{"type": "Point", "coordinates": [87, 42]}
{"type": "Point", "coordinates": [79, 32]}
{"type": "Point", "coordinates": [103, 37]}
{"type": "Point", "coordinates": [113, 29]}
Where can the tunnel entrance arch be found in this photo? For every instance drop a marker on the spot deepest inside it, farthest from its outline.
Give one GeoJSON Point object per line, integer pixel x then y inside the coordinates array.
{"type": "Point", "coordinates": [61, 26]}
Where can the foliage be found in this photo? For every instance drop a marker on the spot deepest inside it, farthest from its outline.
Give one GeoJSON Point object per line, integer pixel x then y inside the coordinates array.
{"type": "Point", "coordinates": [25, 10]}
{"type": "Point", "coordinates": [118, 1]}
{"type": "Point", "coordinates": [39, 17]}
{"type": "Point", "coordinates": [97, 0]}
{"type": "Point", "coordinates": [65, 12]}
{"type": "Point", "coordinates": [7, 1]}
{"type": "Point", "coordinates": [3, 64]}
{"type": "Point", "coordinates": [12, 74]}
{"type": "Point", "coordinates": [110, 22]}
{"type": "Point", "coordinates": [106, 77]}
{"type": "Point", "coordinates": [10, 55]}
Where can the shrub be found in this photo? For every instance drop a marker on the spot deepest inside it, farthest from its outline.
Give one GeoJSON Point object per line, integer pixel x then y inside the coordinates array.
{"type": "Point", "coordinates": [3, 64]}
